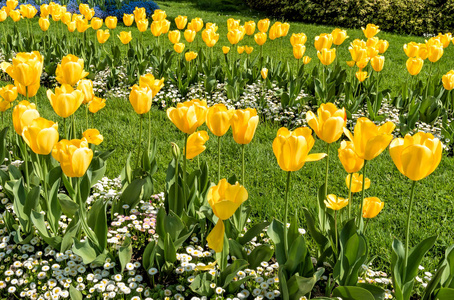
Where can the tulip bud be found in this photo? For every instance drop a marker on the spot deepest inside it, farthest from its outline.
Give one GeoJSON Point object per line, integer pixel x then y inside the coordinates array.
{"type": "Point", "coordinates": [264, 73]}
{"type": "Point", "coordinates": [323, 41]}
{"type": "Point", "coordinates": [44, 24]}
{"type": "Point", "coordinates": [248, 49]}
{"type": "Point", "coordinates": [111, 22]}
{"type": "Point", "coordinates": [377, 63]}
{"type": "Point", "coordinates": [447, 79]}
{"type": "Point", "coordinates": [260, 38]}
{"type": "Point", "coordinates": [361, 76]}
{"type": "Point", "coordinates": [190, 55]}
{"type": "Point", "coordinates": [225, 49]}
{"type": "Point", "coordinates": [159, 15]}
{"type": "Point", "coordinates": [174, 36]}
{"type": "Point", "coordinates": [351, 63]}
{"type": "Point", "coordinates": [240, 49]}
{"type": "Point", "coordinates": [141, 99]}
{"type": "Point", "coordinates": [411, 49]}
{"type": "Point", "coordinates": [263, 25]}
{"type": "Point", "coordinates": [326, 56]}
{"type": "Point", "coordinates": [178, 47]}
{"type": "Point", "coordinates": [128, 19]}
{"type": "Point", "coordinates": [102, 35]}
{"type": "Point", "coordinates": [244, 123]}
{"type": "Point", "coordinates": [139, 13]}
{"type": "Point", "coordinates": [125, 37]}
{"type": "Point", "coordinates": [306, 60]}
{"type": "Point", "coordinates": [370, 31]}
{"type": "Point", "coordinates": [189, 35]}
{"type": "Point", "coordinates": [41, 135]}
{"type": "Point", "coordinates": [382, 46]}
{"type": "Point", "coordinates": [96, 23]}
{"type": "Point", "coordinates": [414, 65]}
{"type": "Point", "coordinates": [371, 207]}
{"type": "Point", "coordinates": [181, 22]}
{"type": "Point", "coordinates": [175, 151]}
{"type": "Point", "coordinates": [142, 25]}
{"type": "Point", "coordinates": [298, 38]}
{"type": "Point", "coordinates": [298, 51]}
{"type": "Point", "coordinates": [250, 27]}
{"type": "Point", "coordinates": [339, 36]}
{"type": "Point", "coordinates": [9, 93]}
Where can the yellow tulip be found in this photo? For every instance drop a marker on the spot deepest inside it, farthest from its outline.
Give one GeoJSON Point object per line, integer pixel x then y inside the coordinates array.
{"type": "Point", "coordinates": [189, 35]}
{"type": "Point", "coordinates": [358, 53]}
{"type": "Point", "coordinates": [351, 63]}
{"type": "Point", "coordinates": [3, 15]}
{"type": "Point", "coordinates": [298, 38]}
{"type": "Point", "coordinates": [86, 87]}
{"type": "Point", "coordinates": [423, 52]}
{"type": "Point", "coordinates": [139, 13]}
{"type": "Point", "coordinates": [291, 148]}
{"type": "Point", "coordinates": [369, 139]}
{"type": "Point", "coordinates": [11, 4]}
{"type": "Point", "coordinates": [215, 239]}
{"type": "Point", "coordinates": [28, 11]}
{"type": "Point", "coordinates": [102, 35]}
{"type": "Point", "coordinates": [414, 65]}
{"type": "Point", "coordinates": [196, 143]}
{"type": "Point", "coordinates": [447, 79]}
{"type": "Point", "coordinates": [111, 22]}
{"type": "Point", "coordinates": [23, 115]}
{"type": "Point", "coordinates": [323, 41]}
{"type": "Point", "coordinates": [225, 49]}
{"type": "Point", "coordinates": [351, 162]}
{"type": "Point", "coordinates": [218, 119]}
{"type": "Point", "coordinates": [361, 76]}
{"type": "Point", "coordinates": [210, 37]}
{"type": "Point", "coordinates": [25, 69]}
{"type": "Point", "coordinates": [159, 15]}
{"type": "Point", "coordinates": [382, 46]}
{"type": "Point", "coordinates": [66, 100]}
{"type": "Point", "coordinates": [82, 25]}
{"type": "Point", "coordinates": [260, 38]}
{"type": "Point", "coordinates": [96, 104]}
{"type": "Point", "coordinates": [298, 51]}
{"type": "Point", "coordinates": [234, 36]}
{"type": "Point", "coordinates": [371, 52]}
{"type": "Point", "coordinates": [44, 23]}
{"type": "Point", "coordinates": [263, 25]}
{"type": "Point", "coordinates": [178, 47]}
{"type": "Point", "coordinates": [335, 203]}
{"type": "Point", "coordinates": [181, 22]}
{"type": "Point", "coordinates": [4, 105]}
{"type": "Point", "coordinates": [188, 116]}
{"type": "Point", "coordinates": [196, 24]}
{"type": "Point", "coordinates": [264, 73]}
{"type": "Point", "coordinates": [306, 60]}
{"type": "Point", "coordinates": [57, 17]}
{"type": "Point", "coordinates": [74, 156]}
{"type": "Point", "coordinates": [371, 207]}
{"type": "Point", "coordinates": [275, 31]}
{"type": "Point", "coordinates": [329, 123]}
{"type": "Point", "coordinates": [250, 27]}
{"type": "Point", "coordinates": [141, 98]}
{"type": "Point", "coordinates": [225, 198]}
{"type": "Point", "coordinates": [84, 10]}
{"type": "Point", "coordinates": [211, 26]}
{"type": "Point", "coordinates": [29, 91]}
{"type": "Point", "coordinates": [96, 23]}
{"type": "Point", "coordinates": [41, 135]}
{"type": "Point", "coordinates": [370, 31]}
{"type": "Point", "coordinates": [435, 52]}
{"type": "Point", "coordinates": [339, 36]}
{"type": "Point", "coordinates": [377, 63]}
{"type": "Point", "coordinates": [445, 39]}
{"type": "Point", "coordinates": [165, 26]}
{"type": "Point", "coordinates": [142, 25]}
{"type": "Point", "coordinates": [411, 49]}
{"type": "Point", "coordinates": [44, 10]}
{"type": "Point", "coordinates": [232, 24]}
{"type": "Point", "coordinates": [128, 19]}
{"type": "Point", "coordinates": [66, 18]}
{"type": "Point", "coordinates": [285, 29]}
{"type": "Point", "coordinates": [244, 123]}
{"type": "Point", "coordinates": [93, 136]}
{"type": "Point", "coordinates": [357, 182]}
{"type": "Point", "coordinates": [248, 49]}
{"type": "Point", "coordinates": [326, 56]}
{"type": "Point", "coordinates": [174, 36]}
{"type": "Point", "coordinates": [372, 42]}
{"type": "Point", "coordinates": [190, 55]}
{"type": "Point", "coordinates": [71, 26]}
{"type": "Point", "coordinates": [70, 70]}
{"type": "Point", "coordinates": [416, 156]}
{"type": "Point", "coordinates": [149, 81]}
{"type": "Point", "coordinates": [15, 15]}
{"type": "Point", "coordinates": [240, 49]}
{"type": "Point", "coordinates": [9, 93]}
{"type": "Point", "coordinates": [125, 37]}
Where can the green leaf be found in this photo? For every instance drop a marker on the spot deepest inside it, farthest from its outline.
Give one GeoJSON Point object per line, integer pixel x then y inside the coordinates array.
{"type": "Point", "coordinates": [148, 255]}
{"type": "Point", "coordinates": [68, 206]}
{"type": "Point", "coordinates": [70, 234]}
{"type": "Point", "coordinates": [253, 232]}
{"type": "Point", "coordinates": [259, 254]}
{"type": "Point", "coordinates": [170, 253]}
{"type": "Point", "coordinates": [85, 250]}
{"type": "Point", "coordinates": [298, 286]}
{"type": "Point", "coordinates": [3, 148]}
{"type": "Point", "coordinates": [444, 294]}
{"type": "Point", "coordinates": [201, 285]}
{"type": "Point", "coordinates": [276, 233]}
{"type": "Point", "coordinates": [75, 294]}
{"type": "Point", "coordinates": [416, 255]}
{"type": "Point", "coordinates": [131, 195]}
{"type": "Point", "coordinates": [296, 255]}
{"type": "Point", "coordinates": [353, 293]}
{"type": "Point", "coordinates": [236, 249]}
{"type": "Point", "coordinates": [377, 292]}
{"type": "Point", "coordinates": [230, 272]}
{"type": "Point", "coordinates": [125, 253]}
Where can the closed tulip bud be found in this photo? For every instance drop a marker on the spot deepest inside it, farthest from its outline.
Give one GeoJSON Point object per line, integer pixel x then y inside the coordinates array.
{"type": "Point", "coordinates": [225, 49]}
{"type": "Point", "coordinates": [357, 182]}
{"type": "Point", "coordinates": [423, 53]}
{"type": "Point", "coordinates": [93, 136]}
{"type": "Point", "coordinates": [128, 19]}
{"type": "Point", "coordinates": [70, 70]}
{"type": "Point", "coordinates": [411, 49]}
{"type": "Point", "coordinates": [372, 42]}
{"type": "Point", "coordinates": [82, 25]}
{"type": "Point", "coordinates": [4, 105]}
{"type": "Point", "coordinates": [335, 203]}
{"type": "Point", "coordinates": [323, 41]}
{"type": "Point", "coordinates": [23, 115]}
{"type": "Point", "coordinates": [306, 60]}
{"type": "Point", "coordinates": [175, 151]}
{"type": "Point", "coordinates": [416, 156]}
{"type": "Point", "coordinates": [74, 156]}
{"type": "Point", "coordinates": [377, 63]}
{"type": "Point", "coordinates": [44, 24]}
{"type": "Point", "coordinates": [361, 76]}
{"type": "Point", "coordinates": [71, 26]}
{"type": "Point", "coordinates": [218, 119]}
{"type": "Point", "coordinates": [25, 69]}
{"type": "Point", "coordinates": [351, 63]}
{"type": "Point", "coordinates": [139, 13]}
{"type": "Point", "coordinates": [196, 143]}
{"type": "Point", "coordinates": [285, 29]}
{"type": "Point", "coordinates": [250, 27]}
{"type": "Point", "coordinates": [102, 35]}
{"type": "Point", "coordinates": [96, 23]}
{"type": "Point", "coordinates": [371, 207]}
{"type": "Point", "coordinates": [445, 39]}
{"type": "Point", "coordinates": [44, 10]}
{"type": "Point", "coordinates": [260, 38]}
{"type": "Point", "coordinates": [165, 26]}
{"type": "Point", "coordinates": [159, 15]}
{"type": "Point", "coordinates": [125, 37]}
{"type": "Point", "coordinates": [232, 24]}
{"type": "Point", "coordinates": [3, 15]}
{"type": "Point", "coordinates": [248, 49]}
{"type": "Point", "coordinates": [414, 65]}
{"type": "Point", "coordinates": [263, 25]}
{"type": "Point", "coordinates": [9, 93]}
{"type": "Point", "coordinates": [361, 64]}
{"type": "Point", "coordinates": [190, 55]}
{"type": "Point", "coordinates": [298, 51]}
{"type": "Point", "coordinates": [156, 28]}
{"type": "Point", "coordinates": [351, 162]}
{"type": "Point", "coordinates": [181, 22]}
{"type": "Point", "coordinates": [234, 36]}
{"type": "Point", "coordinates": [149, 81]}
{"type": "Point", "coordinates": [15, 15]}
{"type": "Point", "coordinates": [326, 56]}
{"type": "Point", "coordinates": [275, 31]}
{"type": "Point", "coordinates": [111, 22]}
{"type": "Point", "coordinates": [178, 47]}
{"type": "Point", "coordinates": [329, 123]}
{"type": "Point", "coordinates": [370, 31]}
{"type": "Point", "coordinates": [28, 11]}
{"type": "Point", "coordinates": [244, 123]}
{"type": "Point", "coordinates": [264, 73]}
{"type": "Point", "coordinates": [96, 105]}
{"type": "Point", "coordinates": [66, 100]}
{"type": "Point", "coordinates": [434, 52]}
{"type": "Point", "coordinates": [41, 135]}
{"type": "Point", "coordinates": [174, 36]}
{"type": "Point", "coordinates": [447, 79]}
{"type": "Point", "coordinates": [382, 46]}
{"type": "Point", "coordinates": [298, 38]}
{"type": "Point", "coordinates": [188, 116]}
{"type": "Point", "coordinates": [240, 49]}
{"type": "Point", "coordinates": [189, 35]}
{"type": "Point", "coordinates": [339, 36]}
{"type": "Point", "coordinates": [141, 99]}
{"type": "Point", "coordinates": [142, 25]}
{"type": "Point", "coordinates": [358, 53]}
{"type": "Point", "coordinates": [369, 139]}
{"type": "Point", "coordinates": [196, 24]}
{"type": "Point", "coordinates": [86, 87]}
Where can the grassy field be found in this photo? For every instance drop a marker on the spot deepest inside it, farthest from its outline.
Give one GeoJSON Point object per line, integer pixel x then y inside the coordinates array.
{"type": "Point", "coordinates": [433, 210]}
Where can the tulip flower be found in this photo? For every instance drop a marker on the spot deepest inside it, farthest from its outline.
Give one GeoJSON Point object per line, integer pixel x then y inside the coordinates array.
{"type": "Point", "coordinates": [128, 19]}
{"type": "Point", "coordinates": [330, 122]}
{"type": "Point", "coordinates": [178, 47]}
{"type": "Point", "coordinates": [139, 13]}
{"type": "Point", "coordinates": [71, 26]}
{"type": "Point", "coordinates": [190, 55]}
{"type": "Point", "coordinates": [351, 162]}
{"type": "Point", "coordinates": [196, 143]}
{"type": "Point", "coordinates": [142, 25]}
{"type": "Point", "coordinates": [125, 37]}
{"type": "Point", "coordinates": [96, 104]}
{"type": "Point", "coordinates": [70, 70]}
{"type": "Point", "coordinates": [181, 22]}
{"type": "Point", "coordinates": [411, 49]}
{"type": "Point", "coordinates": [111, 22]}
{"type": "Point", "coordinates": [306, 60]}
{"type": "Point", "coordinates": [250, 27]}
{"type": "Point", "coordinates": [260, 38]}
{"type": "Point", "coordinates": [96, 23]}
{"type": "Point", "coordinates": [356, 180]}
{"type": "Point", "coordinates": [159, 15]}
{"type": "Point", "coordinates": [447, 79]}
{"type": "Point", "coordinates": [86, 87]}
{"type": "Point", "coordinates": [9, 93]}
{"type": "Point", "coordinates": [275, 31]}
{"type": "Point", "coordinates": [377, 63]}
{"type": "Point", "coordinates": [211, 26]}
{"type": "Point", "coordinates": [351, 63]}
{"type": "Point", "coordinates": [240, 49]}
{"type": "Point", "coordinates": [44, 23]}
{"type": "Point", "coordinates": [66, 18]}
{"type": "Point", "coordinates": [23, 115]}
{"type": "Point", "coordinates": [188, 116]}
{"type": "Point", "coordinates": [323, 41]}
{"type": "Point", "coordinates": [339, 36]}
{"type": "Point", "coordinates": [74, 156]}
{"type": "Point", "coordinates": [149, 81]}
{"type": "Point", "coordinates": [298, 38]}
{"type": "Point", "coordinates": [244, 123]}
{"type": "Point", "coordinates": [196, 24]}
{"type": "Point", "coordinates": [41, 135]}
{"type": "Point", "coordinates": [361, 64]}
{"type": "Point", "coordinates": [371, 207]}
{"type": "Point", "coordinates": [372, 42]}
{"type": "Point", "coordinates": [141, 98]}
{"type": "Point", "coordinates": [358, 53]}
{"type": "Point", "coordinates": [66, 100]}
{"type": "Point", "coordinates": [435, 52]}
{"type": "Point", "coordinates": [15, 15]}
{"type": "Point", "coordinates": [264, 73]}
{"type": "Point", "coordinates": [361, 76]}
{"type": "Point", "coordinates": [232, 24]}
{"type": "Point", "coordinates": [234, 36]}
{"type": "Point", "coordinates": [285, 28]}
{"type": "Point", "coordinates": [263, 25]}
{"type": "Point", "coordinates": [414, 65]}
{"type": "Point", "coordinates": [335, 203]}
{"type": "Point", "coordinates": [26, 69]}
{"type": "Point", "coordinates": [210, 37]}
{"type": "Point", "coordinates": [102, 35]}
{"type": "Point", "coordinates": [174, 36]}
{"type": "Point", "coordinates": [371, 52]}
{"type": "Point", "coordinates": [370, 31]}
{"type": "Point", "coordinates": [3, 15]}
{"type": "Point", "coordinates": [218, 119]}
{"type": "Point", "coordinates": [28, 11]}
{"type": "Point", "coordinates": [326, 56]}
{"type": "Point", "coordinates": [4, 106]}
{"type": "Point", "coordinates": [382, 46]}
{"type": "Point", "coordinates": [44, 10]}
{"type": "Point", "coordinates": [82, 25]}
{"type": "Point", "coordinates": [165, 26]}
{"type": "Point", "coordinates": [423, 53]}
{"type": "Point", "coordinates": [225, 49]}
{"type": "Point", "coordinates": [189, 35]}
{"type": "Point", "coordinates": [93, 136]}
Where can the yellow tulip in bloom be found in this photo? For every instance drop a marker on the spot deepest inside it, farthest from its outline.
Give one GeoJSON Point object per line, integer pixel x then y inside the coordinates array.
{"type": "Point", "coordinates": [178, 47]}
{"type": "Point", "coordinates": [3, 15]}
{"type": "Point", "coordinates": [357, 182]}
{"type": "Point", "coordinates": [232, 24]}
{"type": "Point", "coordinates": [351, 162]}
{"type": "Point", "coordinates": [260, 38]}
{"type": "Point", "coordinates": [411, 49]}
{"type": "Point", "coordinates": [96, 23]}
{"type": "Point", "coordinates": [339, 36]}
{"type": "Point", "coordinates": [111, 22]}
{"type": "Point", "coordinates": [66, 18]}
{"type": "Point", "coordinates": [4, 105]}
{"type": "Point", "coordinates": [250, 27]}
{"type": "Point", "coordinates": [165, 26]}
{"type": "Point", "coordinates": [306, 60]}
{"type": "Point", "coordinates": [285, 28]}
{"type": "Point", "coordinates": [275, 31]}
{"type": "Point", "coordinates": [74, 156]}
{"type": "Point", "coordinates": [358, 53]}
{"type": "Point", "coordinates": [234, 36]}
{"type": "Point", "coordinates": [23, 115]}
{"type": "Point", "coordinates": [329, 123]}
{"type": "Point", "coordinates": [159, 15]}
{"type": "Point", "coordinates": [447, 79]}
{"type": "Point", "coordinates": [196, 24]}
{"type": "Point", "coordinates": [125, 37]}
{"type": "Point", "coordinates": [102, 35]}
{"type": "Point", "coordinates": [382, 46]}
{"type": "Point", "coordinates": [66, 100]}
{"type": "Point", "coordinates": [326, 56]}
{"type": "Point", "coordinates": [263, 25]}
{"type": "Point", "coordinates": [70, 70]}
{"type": "Point", "coordinates": [445, 39]}
{"type": "Point", "coordinates": [141, 99]}
{"type": "Point", "coordinates": [298, 38]}
{"type": "Point", "coordinates": [93, 136]}
{"type": "Point", "coordinates": [142, 25]}
{"type": "Point", "coordinates": [25, 69]}
{"type": "Point", "coordinates": [128, 19]}
{"type": "Point", "coordinates": [28, 11]}
{"type": "Point", "coordinates": [351, 63]}
{"type": "Point", "coordinates": [44, 23]}
{"type": "Point", "coordinates": [210, 37]}
{"type": "Point", "coordinates": [196, 143]}
{"type": "Point", "coordinates": [225, 49]}
{"type": "Point", "coordinates": [181, 22]}
{"type": "Point", "coordinates": [298, 51]}
{"type": "Point", "coordinates": [15, 15]}
{"type": "Point", "coordinates": [264, 73]}
{"type": "Point", "coordinates": [240, 49]}
{"type": "Point", "coordinates": [435, 52]}
{"type": "Point", "coordinates": [414, 65]}
{"type": "Point", "coordinates": [96, 104]}
{"type": "Point", "coordinates": [244, 123]}
{"type": "Point", "coordinates": [174, 36]}
{"type": "Point", "coordinates": [335, 203]}
{"type": "Point", "coordinates": [369, 139]}
{"type": "Point", "coordinates": [190, 55]}
{"type": "Point", "coordinates": [248, 49]}
{"type": "Point", "coordinates": [323, 41]}
{"type": "Point", "coordinates": [370, 31]}
{"type": "Point", "coordinates": [211, 26]}
{"type": "Point", "coordinates": [372, 42]}
{"type": "Point", "coordinates": [371, 52]}
{"type": "Point", "coordinates": [139, 13]}
{"type": "Point", "coordinates": [41, 135]}
{"type": "Point", "coordinates": [86, 87]}
{"type": "Point", "coordinates": [371, 207]}
{"type": "Point", "coordinates": [84, 9]}
{"type": "Point", "coordinates": [218, 119]}
{"type": "Point", "coordinates": [189, 35]}
{"type": "Point", "coordinates": [291, 148]}
{"type": "Point", "coordinates": [416, 156]}
{"type": "Point", "coordinates": [361, 76]}
{"type": "Point", "coordinates": [82, 25]}
{"type": "Point", "coordinates": [71, 26]}
{"type": "Point", "coordinates": [156, 28]}
{"type": "Point", "coordinates": [377, 63]}
{"type": "Point", "coordinates": [11, 4]}
{"type": "Point", "coordinates": [44, 10]}
{"type": "Point", "coordinates": [149, 81]}
{"type": "Point", "coordinates": [423, 52]}
{"type": "Point", "coordinates": [188, 116]}
{"type": "Point", "coordinates": [9, 93]}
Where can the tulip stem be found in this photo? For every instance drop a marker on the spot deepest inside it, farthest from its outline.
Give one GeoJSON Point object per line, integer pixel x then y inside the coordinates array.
{"type": "Point", "coordinates": [184, 168]}
{"type": "Point", "coordinates": [407, 236]}
{"type": "Point", "coordinates": [335, 231]}
{"type": "Point", "coordinates": [86, 115]}
{"type": "Point", "coordinates": [149, 130]}
{"type": "Point", "coordinates": [365, 226]}
{"type": "Point", "coordinates": [219, 158]}
{"type": "Point", "coordinates": [360, 219]}
{"type": "Point", "coordinates": [286, 214]}
{"type": "Point", "coordinates": [140, 141]}
{"type": "Point", "coordinates": [243, 179]}
{"type": "Point", "coordinates": [26, 164]}
{"type": "Point", "coordinates": [350, 196]}
{"type": "Point", "coordinates": [326, 187]}
{"type": "Point", "coordinates": [64, 125]}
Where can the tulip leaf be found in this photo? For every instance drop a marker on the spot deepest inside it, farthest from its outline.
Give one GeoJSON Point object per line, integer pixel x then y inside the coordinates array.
{"type": "Point", "coordinates": [276, 233]}
{"type": "Point", "coordinates": [131, 195]}
{"type": "Point", "coordinates": [253, 232]}
{"type": "Point", "coordinates": [40, 225]}
{"type": "Point", "coordinates": [149, 255]}
{"type": "Point", "coordinates": [97, 220]}
{"type": "Point", "coordinates": [296, 255]}
{"type": "Point", "coordinates": [85, 250]}
{"type": "Point", "coordinates": [170, 252]}
{"type": "Point", "coordinates": [444, 294]}
{"type": "Point", "coordinates": [416, 255]}
{"type": "Point", "coordinates": [20, 205]}
{"type": "Point", "coordinates": [70, 234]}
{"type": "Point", "coordinates": [201, 285]}
{"type": "Point", "coordinates": [68, 206]}
{"type": "Point", "coordinates": [298, 286]}
{"type": "Point", "coordinates": [352, 293]}
{"type": "Point", "coordinates": [229, 273]}
{"type": "Point", "coordinates": [260, 254]}
{"type": "Point", "coordinates": [125, 253]}
{"type": "Point", "coordinates": [3, 148]}
{"type": "Point", "coordinates": [236, 250]}
{"type": "Point", "coordinates": [75, 294]}
{"type": "Point", "coordinates": [221, 257]}
{"type": "Point", "coordinates": [54, 213]}
{"type": "Point", "coordinates": [377, 292]}
{"type": "Point", "coordinates": [96, 170]}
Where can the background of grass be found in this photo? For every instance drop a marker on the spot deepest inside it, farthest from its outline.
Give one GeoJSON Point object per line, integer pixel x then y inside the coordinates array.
{"type": "Point", "coordinates": [433, 210]}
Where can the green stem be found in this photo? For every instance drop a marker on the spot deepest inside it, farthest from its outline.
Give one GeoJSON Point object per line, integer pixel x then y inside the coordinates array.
{"type": "Point", "coordinates": [140, 141]}
{"type": "Point", "coordinates": [26, 164]}
{"type": "Point", "coordinates": [326, 186]}
{"type": "Point", "coordinates": [219, 158]}
{"type": "Point", "coordinates": [365, 226]}
{"type": "Point", "coordinates": [360, 219]}
{"type": "Point", "coordinates": [350, 197]}
{"type": "Point", "coordinates": [335, 230]}
{"type": "Point", "coordinates": [64, 125]}
{"type": "Point", "coordinates": [86, 115]}
{"type": "Point", "coordinates": [184, 169]}
{"type": "Point", "coordinates": [149, 130]}
{"type": "Point", "coordinates": [407, 235]}
{"type": "Point", "coordinates": [176, 182]}
{"type": "Point", "coordinates": [286, 214]}
{"type": "Point", "coordinates": [243, 179]}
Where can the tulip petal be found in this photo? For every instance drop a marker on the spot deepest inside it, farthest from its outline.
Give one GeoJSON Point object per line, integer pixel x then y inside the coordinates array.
{"type": "Point", "coordinates": [332, 129]}
{"type": "Point", "coordinates": [417, 161]}
{"type": "Point", "coordinates": [215, 239]}
{"type": "Point", "coordinates": [395, 150]}
{"type": "Point", "coordinates": [376, 145]}
{"type": "Point", "coordinates": [315, 156]}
